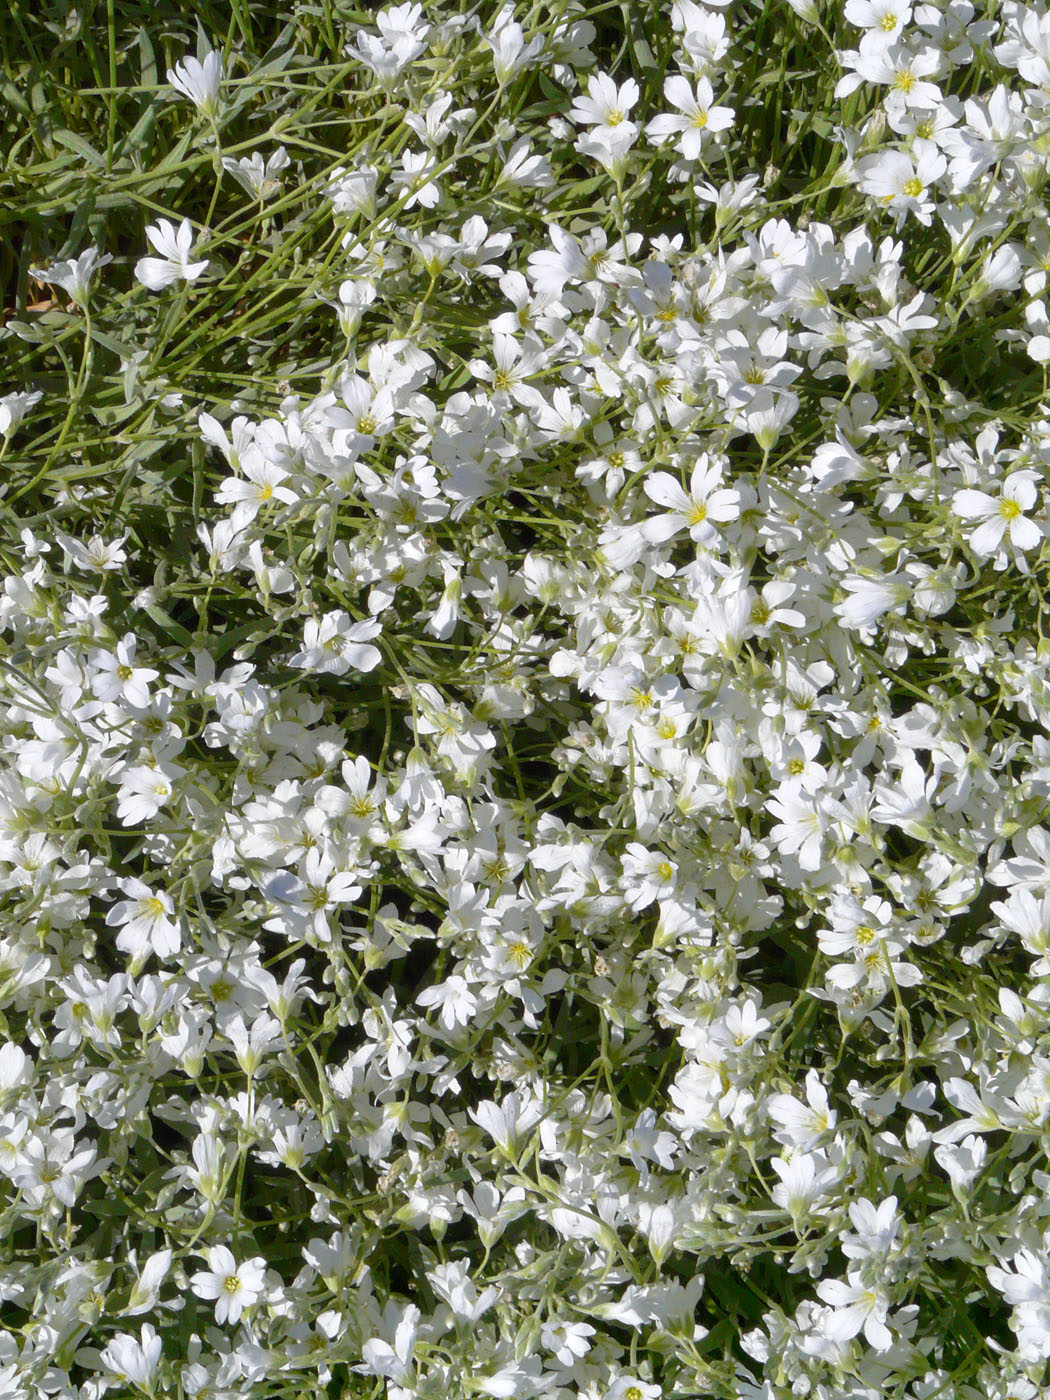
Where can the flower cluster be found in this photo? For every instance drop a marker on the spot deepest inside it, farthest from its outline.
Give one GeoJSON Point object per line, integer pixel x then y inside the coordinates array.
{"type": "Point", "coordinates": [524, 776]}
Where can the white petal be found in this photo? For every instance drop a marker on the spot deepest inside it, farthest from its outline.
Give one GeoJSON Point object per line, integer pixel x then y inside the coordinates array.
{"type": "Point", "coordinates": [974, 505]}
{"type": "Point", "coordinates": [156, 273]}
{"type": "Point", "coordinates": [1024, 533]}
{"type": "Point", "coordinates": [666, 491]}
{"type": "Point", "coordinates": [987, 538]}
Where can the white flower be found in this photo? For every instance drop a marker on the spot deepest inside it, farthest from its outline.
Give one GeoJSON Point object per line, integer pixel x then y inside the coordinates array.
{"type": "Point", "coordinates": [134, 1359]}
{"type": "Point", "coordinates": [963, 1162]}
{"type": "Point", "coordinates": [1026, 1286]}
{"type": "Point", "coordinates": [146, 1290]}
{"type": "Point", "coordinates": [801, 827]}
{"type": "Point", "coordinates": [54, 1165]}
{"type": "Point", "coordinates": [451, 1283]}
{"type": "Point", "coordinates": [491, 1211]}
{"type": "Point", "coordinates": [256, 176]}
{"type": "Point", "coordinates": [319, 890]}
{"type": "Point", "coordinates": [901, 182]}
{"type": "Point", "coordinates": [705, 505]}
{"type": "Point", "coordinates": [379, 1358]}
{"type": "Point", "coordinates": [259, 483]}
{"type": "Point", "coordinates": [609, 147]}
{"type": "Point", "coordinates": [1026, 916]}
{"type": "Point", "coordinates": [252, 1046]}
{"type": "Point", "coordinates": [566, 1340]}
{"type": "Point", "coordinates": [647, 876]}
{"type": "Point", "coordinates": [510, 52]}
{"type": "Point", "coordinates": [146, 921]}
{"type": "Point", "coordinates": [74, 275]}
{"type": "Point", "coordinates": [856, 1308]}
{"type": "Point", "coordinates": [14, 407]}
{"type": "Point", "coordinates": [98, 554]}
{"type": "Point", "coordinates": [174, 245]}
{"type": "Point", "coordinates": [402, 37]}
{"type": "Point", "coordinates": [768, 413]}
{"type": "Point", "coordinates": [355, 295]}
{"type": "Point", "coordinates": [117, 677]}
{"type": "Point", "coordinates": [200, 82]}
{"type": "Point", "coordinates": [1000, 272]}
{"type": "Point", "coordinates": [802, 1125]}
{"type": "Point", "coordinates": [1027, 1281]}
{"type": "Point", "coordinates": [605, 105]}
{"type": "Point", "coordinates": [1003, 516]}
{"type": "Point", "coordinates": [632, 1388]}
{"type": "Point", "coordinates": [507, 1121]}
{"type": "Point", "coordinates": [605, 111]}
{"type": "Point", "coordinates": [456, 1000]}
{"type": "Point", "coordinates": [699, 116]}
{"type": "Point", "coordinates": [883, 19]}
{"type": "Point", "coordinates": [906, 803]}
{"type": "Point", "coordinates": [335, 644]}
{"type": "Point", "coordinates": [877, 1228]}
{"type": "Point", "coordinates": [353, 191]}
{"type": "Point", "coordinates": [233, 1286]}
{"type": "Point", "coordinates": [526, 168]}
{"type": "Point", "coordinates": [895, 66]}
{"type": "Point", "coordinates": [418, 168]}
{"type": "Point", "coordinates": [870, 598]}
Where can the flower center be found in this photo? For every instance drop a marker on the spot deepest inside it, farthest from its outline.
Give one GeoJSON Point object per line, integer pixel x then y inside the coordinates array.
{"type": "Point", "coordinates": [496, 869]}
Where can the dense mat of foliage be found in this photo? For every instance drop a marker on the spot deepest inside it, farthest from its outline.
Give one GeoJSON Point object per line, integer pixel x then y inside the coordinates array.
{"type": "Point", "coordinates": [524, 700]}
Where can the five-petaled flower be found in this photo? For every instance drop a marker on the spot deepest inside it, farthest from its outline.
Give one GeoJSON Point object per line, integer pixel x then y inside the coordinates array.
{"type": "Point", "coordinates": [174, 245]}
{"type": "Point", "coordinates": [1002, 517]}
{"type": "Point", "coordinates": [233, 1286]}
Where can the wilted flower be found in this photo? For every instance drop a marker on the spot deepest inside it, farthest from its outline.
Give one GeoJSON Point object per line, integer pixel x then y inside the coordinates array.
{"type": "Point", "coordinates": [74, 274]}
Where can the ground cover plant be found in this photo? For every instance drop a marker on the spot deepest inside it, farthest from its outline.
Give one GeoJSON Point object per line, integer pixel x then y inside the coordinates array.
{"type": "Point", "coordinates": [524, 700]}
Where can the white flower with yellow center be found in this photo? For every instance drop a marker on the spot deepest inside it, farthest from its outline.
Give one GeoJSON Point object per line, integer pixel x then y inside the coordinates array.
{"type": "Point", "coordinates": [233, 1286]}
{"type": "Point", "coordinates": [146, 919]}
{"type": "Point", "coordinates": [1003, 517]}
